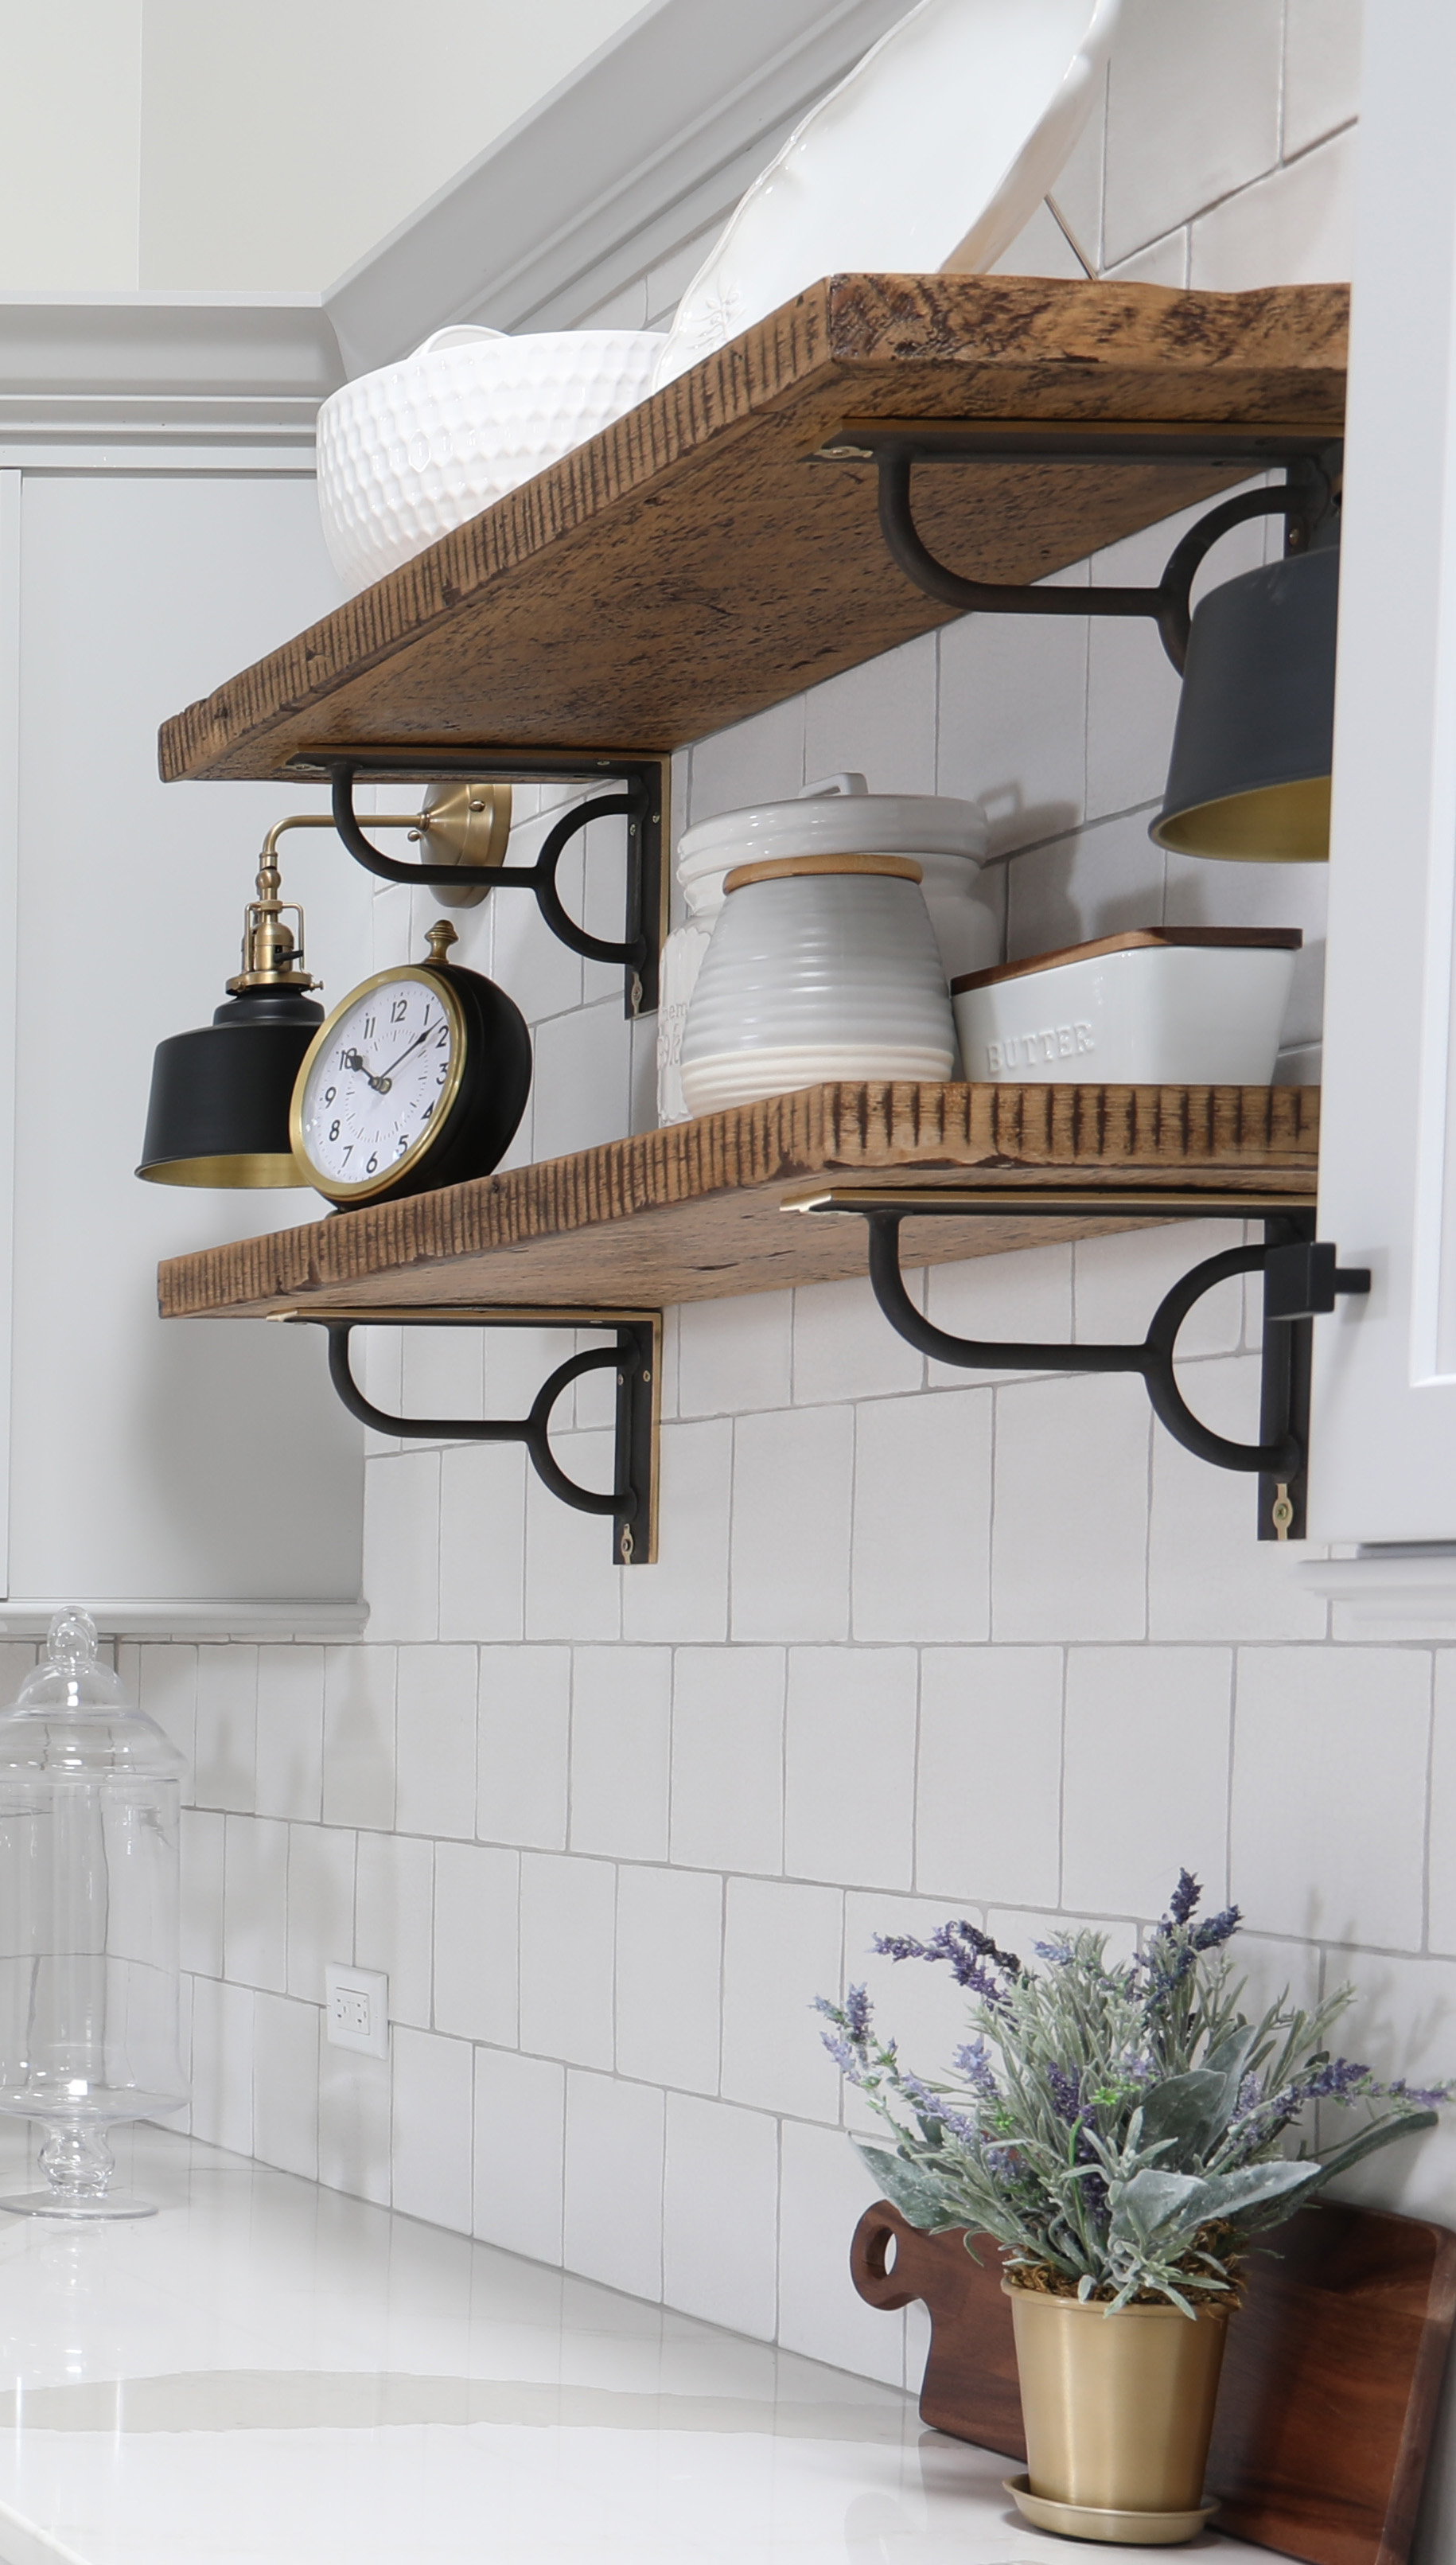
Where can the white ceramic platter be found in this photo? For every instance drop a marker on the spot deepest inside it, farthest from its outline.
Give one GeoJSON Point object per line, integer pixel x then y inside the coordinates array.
{"type": "Point", "coordinates": [932, 154]}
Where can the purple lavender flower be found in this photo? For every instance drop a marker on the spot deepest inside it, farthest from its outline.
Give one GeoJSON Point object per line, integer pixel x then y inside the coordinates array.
{"type": "Point", "coordinates": [847, 2060]}
{"type": "Point", "coordinates": [1215, 1930]}
{"type": "Point", "coordinates": [857, 2012]}
{"type": "Point", "coordinates": [1334, 2080]}
{"type": "Point", "coordinates": [1066, 2092]}
{"type": "Point", "coordinates": [1422, 2097]}
{"type": "Point", "coordinates": [1185, 1898]}
{"type": "Point", "coordinates": [972, 2063]}
{"type": "Point", "coordinates": [1057, 1954]}
{"type": "Point", "coordinates": [933, 2106]}
{"type": "Point", "coordinates": [972, 1954]}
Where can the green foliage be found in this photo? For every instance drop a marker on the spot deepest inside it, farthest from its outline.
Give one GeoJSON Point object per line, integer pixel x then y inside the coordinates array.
{"type": "Point", "coordinates": [1124, 2129]}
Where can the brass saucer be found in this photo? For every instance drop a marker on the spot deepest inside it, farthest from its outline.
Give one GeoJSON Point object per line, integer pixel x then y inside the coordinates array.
{"type": "Point", "coordinates": [1120, 2528]}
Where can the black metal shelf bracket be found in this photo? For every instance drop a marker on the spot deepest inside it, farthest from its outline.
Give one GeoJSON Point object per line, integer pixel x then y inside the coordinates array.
{"type": "Point", "coordinates": [1306, 501]}
{"type": "Point", "coordinates": [635, 1355]}
{"type": "Point", "coordinates": [642, 802]}
{"type": "Point", "coordinates": [1302, 1279]}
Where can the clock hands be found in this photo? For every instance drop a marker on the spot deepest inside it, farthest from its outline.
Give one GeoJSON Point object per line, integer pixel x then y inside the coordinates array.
{"type": "Point", "coordinates": [382, 1081]}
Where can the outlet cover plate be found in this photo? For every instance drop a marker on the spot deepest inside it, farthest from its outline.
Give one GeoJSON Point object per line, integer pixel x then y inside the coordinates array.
{"type": "Point", "coordinates": [356, 2008]}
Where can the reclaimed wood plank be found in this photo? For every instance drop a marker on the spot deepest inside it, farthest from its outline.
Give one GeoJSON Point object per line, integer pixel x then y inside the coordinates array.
{"type": "Point", "coordinates": [694, 1212]}
{"type": "Point", "coordinates": [692, 565]}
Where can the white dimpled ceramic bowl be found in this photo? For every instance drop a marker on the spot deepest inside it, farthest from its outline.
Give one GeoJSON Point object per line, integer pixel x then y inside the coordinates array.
{"type": "Point", "coordinates": [1161, 1006]}
{"type": "Point", "coordinates": [820, 967]}
{"type": "Point", "coordinates": [412, 450]}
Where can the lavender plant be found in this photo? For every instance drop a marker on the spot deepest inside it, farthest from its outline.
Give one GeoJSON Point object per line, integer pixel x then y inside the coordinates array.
{"type": "Point", "coordinates": [1121, 2130]}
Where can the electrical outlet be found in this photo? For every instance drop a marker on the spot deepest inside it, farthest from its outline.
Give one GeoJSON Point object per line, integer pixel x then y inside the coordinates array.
{"type": "Point", "coordinates": [356, 2008]}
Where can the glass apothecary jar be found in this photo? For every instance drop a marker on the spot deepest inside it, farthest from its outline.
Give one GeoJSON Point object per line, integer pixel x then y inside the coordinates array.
{"type": "Point", "coordinates": [89, 1805]}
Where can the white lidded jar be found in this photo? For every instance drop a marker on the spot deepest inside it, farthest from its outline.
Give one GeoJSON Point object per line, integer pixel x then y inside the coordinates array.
{"type": "Point", "coordinates": [820, 967]}
{"type": "Point", "coordinates": [837, 814]}
{"type": "Point", "coordinates": [90, 1793]}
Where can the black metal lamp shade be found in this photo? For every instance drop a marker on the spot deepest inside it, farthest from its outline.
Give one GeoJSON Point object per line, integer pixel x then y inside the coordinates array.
{"type": "Point", "coordinates": [1249, 775]}
{"type": "Point", "coordinates": [220, 1097]}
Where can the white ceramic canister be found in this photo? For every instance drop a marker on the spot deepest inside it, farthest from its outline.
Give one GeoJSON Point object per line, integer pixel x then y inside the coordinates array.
{"type": "Point", "coordinates": [837, 814]}
{"type": "Point", "coordinates": [820, 967]}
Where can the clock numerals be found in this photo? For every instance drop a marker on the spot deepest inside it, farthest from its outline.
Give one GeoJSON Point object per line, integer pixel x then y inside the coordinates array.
{"type": "Point", "coordinates": [371, 1099]}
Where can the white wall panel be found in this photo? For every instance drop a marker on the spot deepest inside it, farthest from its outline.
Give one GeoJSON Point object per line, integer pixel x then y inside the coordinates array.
{"type": "Point", "coordinates": [196, 1463]}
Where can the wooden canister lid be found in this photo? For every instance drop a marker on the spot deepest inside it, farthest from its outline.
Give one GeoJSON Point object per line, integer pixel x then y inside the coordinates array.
{"type": "Point", "coordinates": [784, 867]}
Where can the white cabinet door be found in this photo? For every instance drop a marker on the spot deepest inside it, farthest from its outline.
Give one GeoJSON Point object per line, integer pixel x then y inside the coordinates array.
{"type": "Point", "coordinates": [200, 1474]}
{"type": "Point", "coordinates": [1384, 1445]}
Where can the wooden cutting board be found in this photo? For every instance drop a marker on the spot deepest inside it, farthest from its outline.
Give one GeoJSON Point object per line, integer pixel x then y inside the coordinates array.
{"type": "Point", "coordinates": [1331, 2380]}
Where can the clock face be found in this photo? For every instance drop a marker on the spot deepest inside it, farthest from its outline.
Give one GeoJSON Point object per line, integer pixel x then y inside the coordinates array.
{"type": "Point", "coordinates": [379, 1082]}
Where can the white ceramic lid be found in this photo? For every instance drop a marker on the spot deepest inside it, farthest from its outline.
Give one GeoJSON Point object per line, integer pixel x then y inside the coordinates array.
{"type": "Point", "coordinates": [835, 824]}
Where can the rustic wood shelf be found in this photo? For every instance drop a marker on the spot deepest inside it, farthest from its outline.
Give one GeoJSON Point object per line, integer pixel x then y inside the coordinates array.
{"type": "Point", "coordinates": [697, 1212]}
{"type": "Point", "coordinates": [695, 563]}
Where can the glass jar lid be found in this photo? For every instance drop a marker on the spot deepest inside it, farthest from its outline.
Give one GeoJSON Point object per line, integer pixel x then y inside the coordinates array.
{"type": "Point", "coordinates": [73, 1714]}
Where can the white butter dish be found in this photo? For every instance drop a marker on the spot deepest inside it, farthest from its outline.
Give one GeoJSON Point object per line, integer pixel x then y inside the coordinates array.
{"type": "Point", "coordinates": [1159, 1005]}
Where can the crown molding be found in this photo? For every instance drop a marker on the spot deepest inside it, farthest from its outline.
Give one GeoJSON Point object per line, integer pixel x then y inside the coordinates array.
{"type": "Point", "coordinates": [654, 137]}
{"type": "Point", "coordinates": [1392, 1592]}
{"type": "Point", "coordinates": [651, 139]}
{"type": "Point", "coordinates": [193, 368]}
{"type": "Point", "coordinates": [159, 1617]}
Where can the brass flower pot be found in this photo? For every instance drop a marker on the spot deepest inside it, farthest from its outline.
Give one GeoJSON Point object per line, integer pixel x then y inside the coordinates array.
{"type": "Point", "coordinates": [1118, 2408]}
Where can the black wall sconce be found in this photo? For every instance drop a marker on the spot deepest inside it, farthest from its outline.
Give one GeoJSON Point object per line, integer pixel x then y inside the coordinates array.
{"type": "Point", "coordinates": [220, 1095]}
{"type": "Point", "coordinates": [1249, 775]}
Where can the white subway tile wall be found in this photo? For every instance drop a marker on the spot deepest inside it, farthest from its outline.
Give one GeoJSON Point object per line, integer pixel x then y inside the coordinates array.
{"type": "Point", "coordinates": [921, 1640]}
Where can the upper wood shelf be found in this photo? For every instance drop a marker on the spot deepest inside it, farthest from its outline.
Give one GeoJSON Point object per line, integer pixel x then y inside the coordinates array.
{"type": "Point", "coordinates": [692, 565]}
{"type": "Point", "coordinates": [696, 1212]}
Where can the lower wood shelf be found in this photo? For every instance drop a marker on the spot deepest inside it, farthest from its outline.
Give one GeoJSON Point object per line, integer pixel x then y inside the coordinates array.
{"type": "Point", "coordinates": [697, 1212]}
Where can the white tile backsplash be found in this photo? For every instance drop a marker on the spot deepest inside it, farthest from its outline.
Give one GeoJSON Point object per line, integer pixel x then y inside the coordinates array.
{"type": "Point", "coordinates": [1192, 111]}
{"type": "Point", "coordinates": [520, 2153]}
{"type": "Point", "coordinates": [781, 1948]}
{"type": "Point", "coordinates": [849, 1764]}
{"type": "Point", "coordinates": [1330, 1751]}
{"type": "Point", "coordinates": [289, 1731]}
{"type": "Point", "coordinates": [728, 1759]}
{"type": "Point", "coordinates": [614, 2167]}
{"type": "Point", "coordinates": [567, 1931]}
{"type": "Point", "coordinates": [482, 1533]}
{"type": "Point", "coordinates": [922, 1519]}
{"type": "Point", "coordinates": [286, 2037]}
{"type": "Point", "coordinates": [929, 1642]}
{"type": "Point", "coordinates": [1322, 46]}
{"type": "Point", "coordinates": [435, 1741]}
{"type": "Point", "coordinates": [524, 1745]}
{"type": "Point", "coordinates": [1069, 1532]}
{"type": "Point", "coordinates": [1297, 227]}
{"type": "Point", "coordinates": [432, 2149]}
{"type": "Point", "coordinates": [394, 1892]}
{"type": "Point", "coordinates": [359, 1736]}
{"type": "Point", "coordinates": [669, 1977]}
{"type": "Point", "coordinates": [621, 1731]}
{"type": "Point", "coordinates": [1146, 1780]}
{"type": "Point", "coordinates": [720, 2262]}
{"type": "Point", "coordinates": [793, 1488]}
{"type": "Point", "coordinates": [990, 1774]}
{"type": "Point", "coordinates": [225, 1775]}
{"type": "Point", "coordinates": [476, 1936]}
{"type": "Point", "coordinates": [255, 1899]}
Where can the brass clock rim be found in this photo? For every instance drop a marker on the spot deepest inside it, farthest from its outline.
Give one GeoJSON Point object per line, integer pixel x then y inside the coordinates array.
{"type": "Point", "coordinates": [331, 1187]}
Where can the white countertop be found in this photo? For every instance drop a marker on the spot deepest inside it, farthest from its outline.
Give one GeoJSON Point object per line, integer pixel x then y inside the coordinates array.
{"type": "Point", "coordinates": [267, 2371]}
